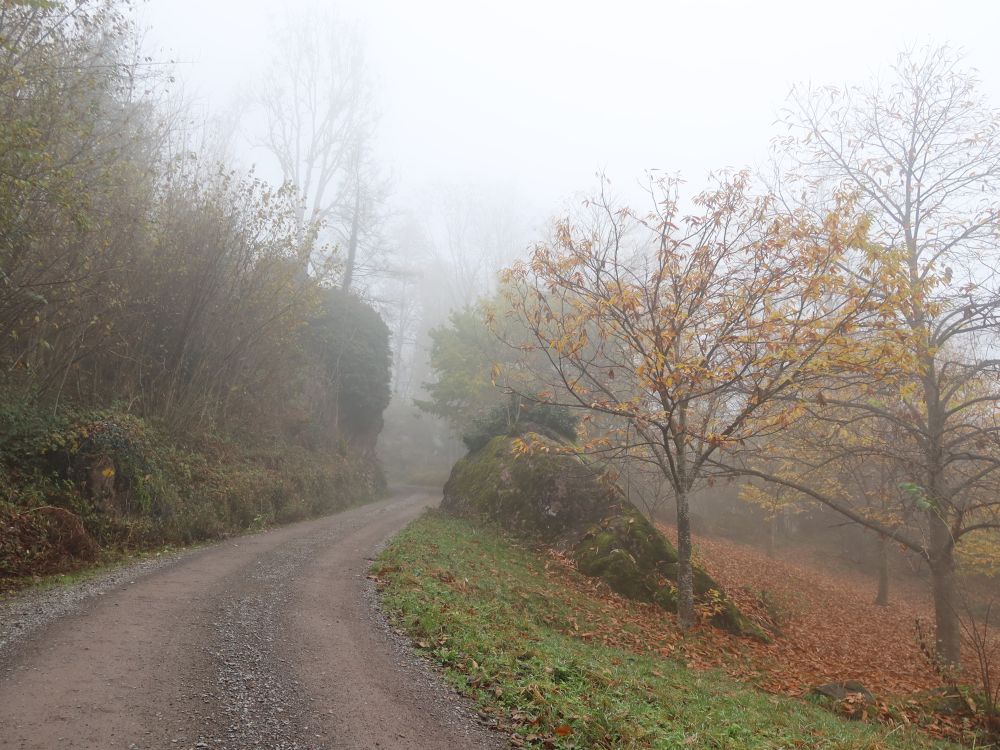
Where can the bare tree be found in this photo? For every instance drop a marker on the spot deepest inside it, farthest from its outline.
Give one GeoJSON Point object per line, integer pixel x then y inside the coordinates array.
{"type": "Point", "coordinates": [318, 103]}
{"type": "Point", "coordinates": [476, 231]}
{"type": "Point", "coordinates": [923, 155]}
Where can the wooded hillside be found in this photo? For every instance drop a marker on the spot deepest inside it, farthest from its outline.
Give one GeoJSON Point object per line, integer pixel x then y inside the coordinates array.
{"type": "Point", "coordinates": [170, 368]}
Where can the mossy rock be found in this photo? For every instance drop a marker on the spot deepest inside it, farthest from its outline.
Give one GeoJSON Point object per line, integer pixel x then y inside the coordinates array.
{"type": "Point", "coordinates": [704, 584]}
{"type": "Point", "coordinates": [732, 620]}
{"type": "Point", "coordinates": [626, 551]}
{"type": "Point", "coordinates": [557, 498]}
{"type": "Point", "coordinates": [666, 597]}
{"type": "Point", "coordinates": [549, 496]}
{"type": "Point", "coordinates": [622, 572]}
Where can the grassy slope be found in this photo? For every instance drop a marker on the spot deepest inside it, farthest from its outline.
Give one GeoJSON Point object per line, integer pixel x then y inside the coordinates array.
{"type": "Point", "coordinates": [505, 633]}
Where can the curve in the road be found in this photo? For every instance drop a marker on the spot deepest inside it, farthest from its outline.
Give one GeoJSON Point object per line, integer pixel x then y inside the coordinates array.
{"type": "Point", "coordinates": [265, 641]}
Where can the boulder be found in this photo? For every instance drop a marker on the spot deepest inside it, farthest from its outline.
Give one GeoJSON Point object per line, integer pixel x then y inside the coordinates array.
{"type": "Point", "coordinates": [636, 560]}
{"type": "Point", "coordinates": [559, 499]}
{"type": "Point", "coordinates": [947, 701]}
{"type": "Point", "coordinates": [852, 697]}
{"type": "Point", "coordinates": [625, 550]}
{"type": "Point", "coordinates": [839, 691]}
{"type": "Point", "coordinates": [551, 497]}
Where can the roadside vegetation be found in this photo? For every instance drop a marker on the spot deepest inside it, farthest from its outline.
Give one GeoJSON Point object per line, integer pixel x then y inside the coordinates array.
{"type": "Point", "coordinates": [807, 355]}
{"type": "Point", "coordinates": [554, 663]}
{"type": "Point", "coordinates": [179, 359]}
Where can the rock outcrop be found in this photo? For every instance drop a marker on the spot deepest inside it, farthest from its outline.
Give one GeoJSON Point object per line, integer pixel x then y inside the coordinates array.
{"type": "Point", "coordinates": [551, 497]}
{"type": "Point", "coordinates": [556, 498]}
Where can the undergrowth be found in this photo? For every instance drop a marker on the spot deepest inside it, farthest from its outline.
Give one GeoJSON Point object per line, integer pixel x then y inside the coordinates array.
{"type": "Point", "coordinates": [81, 488]}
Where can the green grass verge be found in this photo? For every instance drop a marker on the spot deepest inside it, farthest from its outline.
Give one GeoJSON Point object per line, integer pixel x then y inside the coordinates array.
{"type": "Point", "coordinates": [484, 609]}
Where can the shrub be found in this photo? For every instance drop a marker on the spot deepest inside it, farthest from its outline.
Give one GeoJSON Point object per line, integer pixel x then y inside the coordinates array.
{"type": "Point", "coordinates": [550, 419]}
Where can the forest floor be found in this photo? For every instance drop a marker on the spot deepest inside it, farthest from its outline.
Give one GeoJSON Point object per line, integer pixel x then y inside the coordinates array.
{"type": "Point", "coordinates": [830, 627]}
{"type": "Point", "coordinates": [269, 640]}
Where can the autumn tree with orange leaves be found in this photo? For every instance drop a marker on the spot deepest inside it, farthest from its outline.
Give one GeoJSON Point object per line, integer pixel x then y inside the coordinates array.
{"type": "Point", "coordinates": [688, 334]}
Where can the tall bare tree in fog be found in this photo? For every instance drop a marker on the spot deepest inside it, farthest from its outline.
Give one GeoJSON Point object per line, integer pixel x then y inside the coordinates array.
{"type": "Point", "coordinates": [476, 231]}
{"type": "Point", "coordinates": [923, 155]}
{"type": "Point", "coordinates": [318, 102]}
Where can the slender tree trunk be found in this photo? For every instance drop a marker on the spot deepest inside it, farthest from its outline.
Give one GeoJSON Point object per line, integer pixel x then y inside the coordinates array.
{"type": "Point", "coordinates": [682, 488]}
{"type": "Point", "coordinates": [882, 598]}
{"type": "Point", "coordinates": [948, 635]}
{"type": "Point", "coordinates": [352, 244]}
{"type": "Point", "coordinates": [948, 632]}
{"type": "Point", "coordinates": [685, 571]}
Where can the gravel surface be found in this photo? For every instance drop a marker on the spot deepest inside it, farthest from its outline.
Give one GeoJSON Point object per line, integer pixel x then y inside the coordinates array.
{"type": "Point", "coordinates": [263, 705]}
{"type": "Point", "coordinates": [268, 641]}
{"type": "Point", "coordinates": [26, 612]}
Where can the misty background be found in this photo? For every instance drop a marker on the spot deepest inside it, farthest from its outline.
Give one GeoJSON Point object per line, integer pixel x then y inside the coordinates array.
{"type": "Point", "coordinates": [492, 118]}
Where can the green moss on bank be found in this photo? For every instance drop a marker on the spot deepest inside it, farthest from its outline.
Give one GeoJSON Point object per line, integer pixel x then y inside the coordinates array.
{"type": "Point", "coordinates": [554, 497]}
{"type": "Point", "coordinates": [627, 552]}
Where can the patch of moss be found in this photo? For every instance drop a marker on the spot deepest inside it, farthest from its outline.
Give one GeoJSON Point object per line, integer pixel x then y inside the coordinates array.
{"type": "Point", "coordinates": [548, 496]}
{"type": "Point", "coordinates": [626, 551]}
{"type": "Point", "coordinates": [732, 620]}
{"type": "Point", "coordinates": [703, 582]}
{"type": "Point", "coordinates": [666, 598]}
{"type": "Point", "coordinates": [727, 615]}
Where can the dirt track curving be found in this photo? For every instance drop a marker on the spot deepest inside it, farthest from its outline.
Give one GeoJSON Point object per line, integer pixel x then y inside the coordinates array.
{"type": "Point", "coordinates": [266, 641]}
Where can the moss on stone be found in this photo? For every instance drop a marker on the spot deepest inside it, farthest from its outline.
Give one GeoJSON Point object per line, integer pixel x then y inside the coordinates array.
{"type": "Point", "coordinates": [622, 572]}
{"type": "Point", "coordinates": [732, 620]}
{"type": "Point", "coordinates": [626, 534]}
{"type": "Point", "coordinates": [703, 582]}
{"type": "Point", "coordinates": [549, 496]}
{"type": "Point", "coordinates": [557, 498]}
{"type": "Point", "coordinates": [628, 553]}
{"type": "Point", "coordinates": [666, 597]}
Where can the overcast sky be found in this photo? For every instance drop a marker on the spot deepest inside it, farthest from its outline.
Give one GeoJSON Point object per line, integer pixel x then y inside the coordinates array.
{"type": "Point", "coordinates": [540, 94]}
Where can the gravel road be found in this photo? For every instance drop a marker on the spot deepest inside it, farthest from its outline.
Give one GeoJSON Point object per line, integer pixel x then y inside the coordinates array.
{"type": "Point", "coordinates": [266, 641]}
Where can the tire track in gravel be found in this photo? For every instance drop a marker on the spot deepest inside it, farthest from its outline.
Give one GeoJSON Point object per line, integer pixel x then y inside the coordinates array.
{"type": "Point", "coordinates": [262, 703]}
{"type": "Point", "coordinates": [267, 641]}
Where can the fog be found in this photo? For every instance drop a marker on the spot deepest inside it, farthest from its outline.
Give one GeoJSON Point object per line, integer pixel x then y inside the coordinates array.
{"type": "Point", "coordinates": [565, 270]}
{"type": "Point", "coordinates": [495, 117]}
{"type": "Point", "coordinates": [539, 96]}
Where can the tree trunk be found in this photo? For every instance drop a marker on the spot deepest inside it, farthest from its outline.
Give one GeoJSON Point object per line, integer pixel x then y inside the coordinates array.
{"type": "Point", "coordinates": [685, 571]}
{"type": "Point", "coordinates": [941, 547]}
{"type": "Point", "coordinates": [948, 632]}
{"type": "Point", "coordinates": [882, 598]}
{"type": "Point", "coordinates": [352, 244]}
